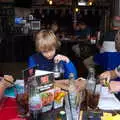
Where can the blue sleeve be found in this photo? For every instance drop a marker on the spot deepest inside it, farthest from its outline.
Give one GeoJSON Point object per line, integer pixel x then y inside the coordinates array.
{"type": "Point", "coordinates": [31, 62]}
{"type": "Point", "coordinates": [69, 68]}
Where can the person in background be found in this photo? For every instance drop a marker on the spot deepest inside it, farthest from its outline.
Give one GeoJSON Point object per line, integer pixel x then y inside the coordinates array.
{"type": "Point", "coordinates": [82, 30]}
{"type": "Point", "coordinates": [111, 75]}
{"type": "Point", "coordinates": [54, 27]}
{"type": "Point", "coordinates": [107, 41]}
{"type": "Point", "coordinates": [46, 46]}
{"type": "Point", "coordinates": [108, 47]}
{"type": "Point", "coordinates": [4, 84]}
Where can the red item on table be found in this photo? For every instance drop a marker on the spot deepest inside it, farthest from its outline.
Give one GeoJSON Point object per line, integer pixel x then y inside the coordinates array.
{"type": "Point", "coordinates": [9, 109]}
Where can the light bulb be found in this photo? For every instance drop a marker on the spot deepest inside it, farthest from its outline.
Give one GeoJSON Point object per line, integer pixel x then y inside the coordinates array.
{"type": "Point", "coordinates": [50, 2]}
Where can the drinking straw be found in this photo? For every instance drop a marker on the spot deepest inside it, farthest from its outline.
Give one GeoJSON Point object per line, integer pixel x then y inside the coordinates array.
{"type": "Point", "coordinates": [9, 81]}
{"type": "Point", "coordinates": [70, 105]}
{"type": "Point", "coordinates": [94, 88]}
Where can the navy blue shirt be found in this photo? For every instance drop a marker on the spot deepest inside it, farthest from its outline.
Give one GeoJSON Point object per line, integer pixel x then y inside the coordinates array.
{"type": "Point", "coordinates": [45, 64]}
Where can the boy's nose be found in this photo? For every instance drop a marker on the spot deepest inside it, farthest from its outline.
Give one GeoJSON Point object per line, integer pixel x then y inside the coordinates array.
{"type": "Point", "coordinates": [48, 54]}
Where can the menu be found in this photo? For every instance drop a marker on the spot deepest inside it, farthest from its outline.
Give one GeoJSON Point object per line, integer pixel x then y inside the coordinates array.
{"type": "Point", "coordinates": [108, 101]}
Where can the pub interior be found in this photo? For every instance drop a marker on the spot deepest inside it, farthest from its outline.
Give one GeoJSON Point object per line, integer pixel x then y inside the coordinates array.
{"type": "Point", "coordinates": [17, 31]}
{"type": "Point", "coordinates": [20, 21]}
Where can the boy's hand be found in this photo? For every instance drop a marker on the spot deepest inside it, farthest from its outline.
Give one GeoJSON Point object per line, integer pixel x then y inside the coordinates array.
{"type": "Point", "coordinates": [59, 58]}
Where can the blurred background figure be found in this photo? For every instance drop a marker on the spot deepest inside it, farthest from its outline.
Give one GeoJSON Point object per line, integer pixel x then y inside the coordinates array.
{"type": "Point", "coordinates": [107, 41]}
{"type": "Point", "coordinates": [82, 30]}
{"type": "Point", "coordinates": [54, 27]}
{"type": "Point", "coordinates": [108, 57]}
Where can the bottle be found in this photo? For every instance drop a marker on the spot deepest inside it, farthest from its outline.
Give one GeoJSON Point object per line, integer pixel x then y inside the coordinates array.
{"type": "Point", "coordinates": [58, 71]}
{"type": "Point", "coordinates": [61, 115]}
{"type": "Point", "coordinates": [91, 80]}
{"type": "Point", "coordinates": [73, 97]}
{"type": "Point", "coordinates": [91, 86]}
{"type": "Point", "coordinates": [72, 89]}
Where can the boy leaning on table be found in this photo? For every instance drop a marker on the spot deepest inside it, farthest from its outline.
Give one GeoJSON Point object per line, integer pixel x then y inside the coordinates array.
{"type": "Point", "coordinates": [5, 82]}
{"type": "Point", "coordinates": [114, 86]}
{"type": "Point", "coordinates": [47, 45]}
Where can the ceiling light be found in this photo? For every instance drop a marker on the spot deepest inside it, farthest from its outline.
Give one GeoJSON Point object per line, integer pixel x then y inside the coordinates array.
{"type": "Point", "coordinates": [76, 9]}
{"type": "Point", "coordinates": [82, 3]}
{"type": "Point", "coordinates": [50, 2]}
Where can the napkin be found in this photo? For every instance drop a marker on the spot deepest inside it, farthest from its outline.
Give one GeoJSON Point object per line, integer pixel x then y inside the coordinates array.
{"type": "Point", "coordinates": [109, 116]}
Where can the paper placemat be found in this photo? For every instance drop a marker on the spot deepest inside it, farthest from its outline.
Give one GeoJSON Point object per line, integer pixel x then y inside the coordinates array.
{"type": "Point", "coordinates": [108, 101]}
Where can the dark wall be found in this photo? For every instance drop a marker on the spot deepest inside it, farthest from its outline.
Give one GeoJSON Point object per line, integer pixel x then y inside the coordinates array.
{"type": "Point", "coordinates": [23, 3]}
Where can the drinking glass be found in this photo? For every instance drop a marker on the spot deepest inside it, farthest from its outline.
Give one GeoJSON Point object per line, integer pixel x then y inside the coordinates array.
{"type": "Point", "coordinates": [93, 97]}
{"type": "Point", "coordinates": [58, 71]}
{"type": "Point", "coordinates": [22, 100]}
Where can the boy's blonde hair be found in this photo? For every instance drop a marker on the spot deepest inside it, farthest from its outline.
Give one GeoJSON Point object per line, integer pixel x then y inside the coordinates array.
{"type": "Point", "coordinates": [46, 40]}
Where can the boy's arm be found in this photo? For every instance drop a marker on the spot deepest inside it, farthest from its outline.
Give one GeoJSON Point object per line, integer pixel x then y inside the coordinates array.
{"type": "Point", "coordinates": [31, 62]}
{"type": "Point", "coordinates": [70, 68]}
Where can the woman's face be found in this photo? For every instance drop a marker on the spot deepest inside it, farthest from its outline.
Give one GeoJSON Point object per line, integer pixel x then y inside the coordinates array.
{"type": "Point", "coordinates": [49, 54]}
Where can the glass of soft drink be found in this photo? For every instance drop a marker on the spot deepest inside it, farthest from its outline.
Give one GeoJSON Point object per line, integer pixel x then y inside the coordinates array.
{"type": "Point", "coordinates": [22, 100]}
{"type": "Point", "coordinates": [93, 97]}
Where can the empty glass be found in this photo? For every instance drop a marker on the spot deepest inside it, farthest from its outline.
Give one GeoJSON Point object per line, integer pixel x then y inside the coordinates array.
{"type": "Point", "coordinates": [58, 71]}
